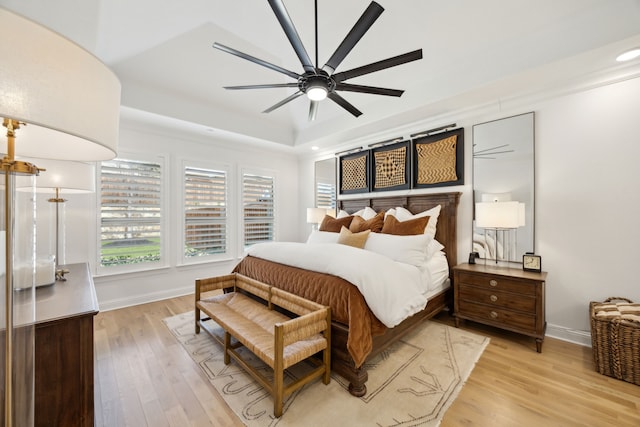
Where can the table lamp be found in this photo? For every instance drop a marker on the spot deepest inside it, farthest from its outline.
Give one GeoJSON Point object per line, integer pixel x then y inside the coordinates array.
{"type": "Point", "coordinates": [315, 216]}
{"type": "Point", "coordinates": [58, 101]}
{"type": "Point", "coordinates": [500, 217]}
{"type": "Point", "coordinates": [59, 178]}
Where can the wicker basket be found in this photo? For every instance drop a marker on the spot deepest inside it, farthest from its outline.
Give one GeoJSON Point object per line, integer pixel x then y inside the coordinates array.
{"type": "Point", "coordinates": [615, 338]}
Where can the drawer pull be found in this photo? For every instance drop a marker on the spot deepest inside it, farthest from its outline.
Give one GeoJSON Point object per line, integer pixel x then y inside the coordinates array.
{"type": "Point", "coordinates": [493, 298]}
{"type": "Point", "coordinates": [493, 315]}
{"type": "Point", "coordinates": [493, 282]}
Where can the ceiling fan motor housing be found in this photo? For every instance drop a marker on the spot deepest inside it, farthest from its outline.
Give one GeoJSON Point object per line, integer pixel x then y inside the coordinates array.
{"type": "Point", "coordinates": [318, 79]}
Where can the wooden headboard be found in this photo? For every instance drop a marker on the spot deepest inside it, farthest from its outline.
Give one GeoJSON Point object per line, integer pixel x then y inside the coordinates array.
{"type": "Point", "coordinates": [447, 221]}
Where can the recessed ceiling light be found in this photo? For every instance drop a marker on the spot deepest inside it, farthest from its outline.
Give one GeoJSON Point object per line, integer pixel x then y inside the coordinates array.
{"type": "Point", "coordinates": [315, 148]}
{"type": "Point", "coordinates": [629, 55]}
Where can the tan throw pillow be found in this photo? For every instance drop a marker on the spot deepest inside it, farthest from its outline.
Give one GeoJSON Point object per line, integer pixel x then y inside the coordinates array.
{"type": "Point", "coordinates": [335, 224]}
{"type": "Point", "coordinates": [404, 228]}
{"type": "Point", "coordinates": [374, 224]}
{"type": "Point", "coordinates": [357, 240]}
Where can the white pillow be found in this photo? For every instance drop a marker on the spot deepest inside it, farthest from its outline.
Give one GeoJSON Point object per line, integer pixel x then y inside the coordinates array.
{"type": "Point", "coordinates": [323, 237]}
{"type": "Point", "coordinates": [404, 215]}
{"type": "Point", "coordinates": [434, 247]}
{"type": "Point", "coordinates": [366, 213]}
{"type": "Point", "coordinates": [407, 249]}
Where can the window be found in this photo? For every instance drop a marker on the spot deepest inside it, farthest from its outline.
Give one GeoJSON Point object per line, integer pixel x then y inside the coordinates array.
{"type": "Point", "coordinates": [205, 212]}
{"type": "Point", "coordinates": [258, 208]}
{"type": "Point", "coordinates": [130, 212]}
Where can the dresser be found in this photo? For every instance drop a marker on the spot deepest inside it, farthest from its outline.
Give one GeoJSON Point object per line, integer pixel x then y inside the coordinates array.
{"type": "Point", "coordinates": [507, 298]}
{"type": "Point", "coordinates": [64, 358]}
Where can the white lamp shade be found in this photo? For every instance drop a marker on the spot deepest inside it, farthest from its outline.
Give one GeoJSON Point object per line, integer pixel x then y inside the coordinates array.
{"type": "Point", "coordinates": [499, 214]}
{"type": "Point", "coordinates": [67, 176]}
{"type": "Point", "coordinates": [521, 215]}
{"type": "Point", "coordinates": [315, 215]}
{"type": "Point", "coordinates": [69, 99]}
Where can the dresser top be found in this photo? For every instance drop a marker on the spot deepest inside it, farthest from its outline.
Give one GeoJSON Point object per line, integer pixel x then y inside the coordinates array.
{"type": "Point", "coordinates": [501, 271]}
{"type": "Point", "coordinates": [74, 297]}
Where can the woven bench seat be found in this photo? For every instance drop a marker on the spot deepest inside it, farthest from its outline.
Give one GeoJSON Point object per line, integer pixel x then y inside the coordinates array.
{"type": "Point", "coordinates": [275, 338]}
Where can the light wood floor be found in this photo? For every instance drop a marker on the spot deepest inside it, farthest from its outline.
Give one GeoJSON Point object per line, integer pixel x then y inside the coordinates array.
{"type": "Point", "coordinates": [145, 378]}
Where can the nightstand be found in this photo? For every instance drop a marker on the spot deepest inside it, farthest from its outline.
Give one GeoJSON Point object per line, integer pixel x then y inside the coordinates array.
{"type": "Point", "coordinates": [507, 298]}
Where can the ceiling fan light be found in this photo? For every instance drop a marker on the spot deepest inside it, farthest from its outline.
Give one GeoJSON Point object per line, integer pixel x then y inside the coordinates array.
{"type": "Point", "coordinates": [317, 93]}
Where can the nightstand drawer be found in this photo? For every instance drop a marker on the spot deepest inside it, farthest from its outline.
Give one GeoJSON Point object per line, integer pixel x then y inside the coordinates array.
{"type": "Point", "coordinates": [497, 299]}
{"type": "Point", "coordinates": [497, 282]}
{"type": "Point", "coordinates": [491, 314]}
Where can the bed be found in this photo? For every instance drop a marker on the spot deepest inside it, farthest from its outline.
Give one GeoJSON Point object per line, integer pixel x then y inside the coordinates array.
{"type": "Point", "coordinates": [357, 334]}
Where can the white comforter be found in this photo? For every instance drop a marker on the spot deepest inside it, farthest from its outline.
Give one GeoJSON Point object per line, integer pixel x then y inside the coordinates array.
{"type": "Point", "coordinates": [393, 290]}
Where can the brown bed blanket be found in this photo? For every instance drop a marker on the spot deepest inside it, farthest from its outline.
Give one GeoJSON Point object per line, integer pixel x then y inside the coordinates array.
{"type": "Point", "coordinates": [347, 303]}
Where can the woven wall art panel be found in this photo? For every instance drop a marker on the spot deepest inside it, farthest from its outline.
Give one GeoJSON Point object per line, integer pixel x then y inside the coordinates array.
{"type": "Point", "coordinates": [391, 167]}
{"type": "Point", "coordinates": [354, 173]}
{"type": "Point", "coordinates": [439, 159]}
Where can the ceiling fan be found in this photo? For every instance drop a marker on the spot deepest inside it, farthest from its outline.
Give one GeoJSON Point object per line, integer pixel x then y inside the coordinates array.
{"type": "Point", "coordinates": [320, 83]}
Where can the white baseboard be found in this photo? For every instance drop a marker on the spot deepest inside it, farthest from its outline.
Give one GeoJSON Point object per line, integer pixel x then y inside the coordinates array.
{"type": "Point", "coordinates": [145, 298]}
{"type": "Point", "coordinates": [571, 335]}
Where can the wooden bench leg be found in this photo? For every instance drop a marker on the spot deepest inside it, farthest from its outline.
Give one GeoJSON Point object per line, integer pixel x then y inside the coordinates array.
{"type": "Point", "coordinates": [278, 391]}
{"type": "Point", "coordinates": [278, 372]}
{"type": "Point", "coordinates": [227, 345]}
{"type": "Point", "coordinates": [197, 321]}
{"type": "Point", "coordinates": [326, 358]}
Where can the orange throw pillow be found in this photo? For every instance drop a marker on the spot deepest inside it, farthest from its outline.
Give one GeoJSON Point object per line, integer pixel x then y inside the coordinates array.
{"type": "Point", "coordinates": [334, 225]}
{"type": "Point", "coordinates": [374, 224]}
{"type": "Point", "coordinates": [404, 228]}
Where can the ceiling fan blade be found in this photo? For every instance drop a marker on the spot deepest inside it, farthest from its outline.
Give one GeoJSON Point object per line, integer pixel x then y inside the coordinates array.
{"type": "Point", "coordinates": [267, 86]}
{"type": "Point", "coordinates": [255, 60]}
{"type": "Point", "coordinates": [284, 101]}
{"type": "Point", "coordinates": [359, 29]}
{"type": "Point", "coordinates": [369, 89]}
{"type": "Point", "coordinates": [377, 66]}
{"type": "Point", "coordinates": [344, 103]}
{"type": "Point", "coordinates": [313, 110]}
{"type": "Point", "coordinates": [290, 30]}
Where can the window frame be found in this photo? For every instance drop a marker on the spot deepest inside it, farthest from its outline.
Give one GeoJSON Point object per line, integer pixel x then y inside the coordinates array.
{"type": "Point", "coordinates": [163, 222]}
{"type": "Point", "coordinates": [230, 223]}
{"type": "Point", "coordinates": [241, 226]}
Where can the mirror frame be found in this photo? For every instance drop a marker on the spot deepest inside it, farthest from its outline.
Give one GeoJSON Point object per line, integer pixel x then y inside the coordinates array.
{"type": "Point", "coordinates": [510, 141]}
{"type": "Point", "coordinates": [330, 171]}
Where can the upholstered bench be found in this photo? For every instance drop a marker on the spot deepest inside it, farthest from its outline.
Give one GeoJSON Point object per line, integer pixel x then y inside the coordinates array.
{"type": "Point", "coordinates": [245, 311]}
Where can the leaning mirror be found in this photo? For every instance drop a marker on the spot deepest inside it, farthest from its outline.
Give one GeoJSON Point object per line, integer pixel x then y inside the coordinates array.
{"type": "Point", "coordinates": [503, 188]}
{"type": "Point", "coordinates": [325, 184]}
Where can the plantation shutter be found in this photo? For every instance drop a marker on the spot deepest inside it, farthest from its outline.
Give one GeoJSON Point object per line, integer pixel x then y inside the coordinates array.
{"type": "Point", "coordinates": [130, 213]}
{"type": "Point", "coordinates": [258, 208]}
{"type": "Point", "coordinates": [325, 195]}
{"type": "Point", "coordinates": [205, 210]}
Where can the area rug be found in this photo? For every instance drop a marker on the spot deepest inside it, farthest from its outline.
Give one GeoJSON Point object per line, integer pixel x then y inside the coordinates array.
{"type": "Point", "coordinates": [411, 384]}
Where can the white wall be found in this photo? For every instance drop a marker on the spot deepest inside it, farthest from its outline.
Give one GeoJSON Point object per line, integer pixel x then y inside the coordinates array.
{"type": "Point", "coordinates": [588, 201]}
{"type": "Point", "coordinates": [133, 288]}
{"type": "Point", "coordinates": [587, 196]}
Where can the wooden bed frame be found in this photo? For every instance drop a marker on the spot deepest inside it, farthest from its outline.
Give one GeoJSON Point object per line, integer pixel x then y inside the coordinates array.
{"type": "Point", "coordinates": [341, 360]}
